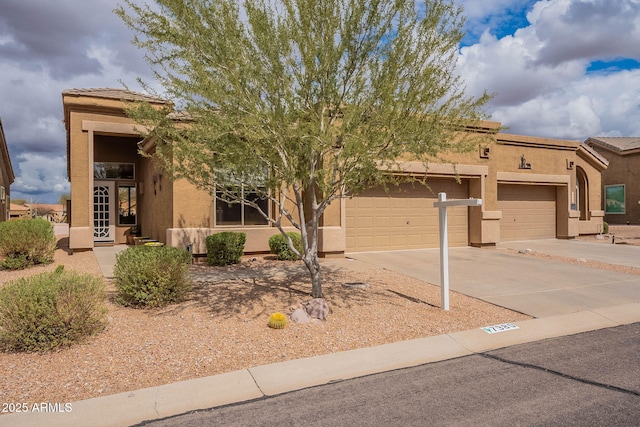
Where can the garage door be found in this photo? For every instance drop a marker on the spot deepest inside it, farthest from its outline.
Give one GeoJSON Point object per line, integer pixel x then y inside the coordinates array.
{"type": "Point", "coordinates": [528, 211]}
{"type": "Point", "coordinates": [404, 217]}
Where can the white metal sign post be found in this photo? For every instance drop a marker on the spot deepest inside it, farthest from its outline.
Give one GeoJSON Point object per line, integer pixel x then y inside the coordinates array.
{"type": "Point", "coordinates": [442, 204]}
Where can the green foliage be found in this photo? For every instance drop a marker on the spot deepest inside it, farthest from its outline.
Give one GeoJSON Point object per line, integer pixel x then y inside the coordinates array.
{"type": "Point", "coordinates": [148, 276]}
{"type": "Point", "coordinates": [328, 96]}
{"type": "Point", "coordinates": [605, 228]}
{"type": "Point", "coordinates": [279, 245]}
{"type": "Point", "coordinates": [225, 248]}
{"type": "Point", "coordinates": [51, 310]}
{"type": "Point", "coordinates": [26, 242]}
{"type": "Point", "coordinates": [15, 262]}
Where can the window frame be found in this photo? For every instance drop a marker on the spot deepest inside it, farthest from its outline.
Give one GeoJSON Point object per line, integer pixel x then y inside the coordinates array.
{"type": "Point", "coordinates": [608, 189]}
{"type": "Point", "coordinates": [243, 206]}
{"type": "Point", "coordinates": [130, 185]}
{"type": "Point", "coordinates": [108, 167]}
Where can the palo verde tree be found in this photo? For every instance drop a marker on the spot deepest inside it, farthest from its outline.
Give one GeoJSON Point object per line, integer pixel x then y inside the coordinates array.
{"type": "Point", "coordinates": [302, 102]}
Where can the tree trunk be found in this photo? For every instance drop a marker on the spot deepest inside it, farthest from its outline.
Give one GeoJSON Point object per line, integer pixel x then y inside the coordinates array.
{"type": "Point", "coordinates": [313, 265]}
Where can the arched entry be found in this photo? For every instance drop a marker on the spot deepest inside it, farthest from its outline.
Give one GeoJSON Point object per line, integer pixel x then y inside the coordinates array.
{"type": "Point", "coordinates": [582, 193]}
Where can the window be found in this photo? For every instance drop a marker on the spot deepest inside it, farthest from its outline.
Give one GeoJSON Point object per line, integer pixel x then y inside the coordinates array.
{"type": "Point", "coordinates": [108, 170]}
{"type": "Point", "coordinates": [127, 208]}
{"type": "Point", "coordinates": [240, 213]}
{"type": "Point", "coordinates": [614, 196]}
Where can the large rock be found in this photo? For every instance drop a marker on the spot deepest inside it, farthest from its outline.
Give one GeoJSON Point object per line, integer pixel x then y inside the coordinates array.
{"type": "Point", "coordinates": [317, 308]}
{"type": "Point", "coordinates": [300, 315]}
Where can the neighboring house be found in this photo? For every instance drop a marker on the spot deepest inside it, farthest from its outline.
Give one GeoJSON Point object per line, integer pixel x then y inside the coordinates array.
{"type": "Point", "coordinates": [19, 211]}
{"type": "Point", "coordinates": [621, 181]}
{"type": "Point", "coordinates": [51, 212]}
{"type": "Point", "coordinates": [6, 176]}
{"type": "Point", "coordinates": [531, 188]}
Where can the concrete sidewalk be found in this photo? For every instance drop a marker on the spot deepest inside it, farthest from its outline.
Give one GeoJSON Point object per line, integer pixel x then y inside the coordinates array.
{"type": "Point", "coordinates": [163, 401]}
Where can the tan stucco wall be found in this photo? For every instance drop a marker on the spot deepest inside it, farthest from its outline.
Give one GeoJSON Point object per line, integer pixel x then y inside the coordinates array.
{"type": "Point", "coordinates": [84, 129]}
{"type": "Point", "coordinates": [179, 214]}
{"type": "Point", "coordinates": [593, 170]}
{"type": "Point", "coordinates": [156, 202]}
{"type": "Point", "coordinates": [548, 162]}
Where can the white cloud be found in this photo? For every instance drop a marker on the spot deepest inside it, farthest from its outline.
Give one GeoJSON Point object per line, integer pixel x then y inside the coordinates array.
{"type": "Point", "coordinates": [586, 29]}
{"type": "Point", "coordinates": [42, 178]}
{"type": "Point", "coordinates": [540, 75]}
{"type": "Point", "coordinates": [45, 48]}
{"type": "Point", "coordinates": [539, 71]}
{"type": "Point", "coordinates": [600, 105]}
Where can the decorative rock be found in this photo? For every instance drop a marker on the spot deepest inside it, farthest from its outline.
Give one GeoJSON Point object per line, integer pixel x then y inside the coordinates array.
{"type": "Point", "coordinates": [300, 315]}
{"type": "Point", "coordinates": [317, 308]}
{"type": "Point", "coordinates": [356, 285]}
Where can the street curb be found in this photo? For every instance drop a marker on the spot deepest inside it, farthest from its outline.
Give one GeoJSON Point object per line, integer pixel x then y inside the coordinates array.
{"type": "Point", "coordinates": [163, 401]}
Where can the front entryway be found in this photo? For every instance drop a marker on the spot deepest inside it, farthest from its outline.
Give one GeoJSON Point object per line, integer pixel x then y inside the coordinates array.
{"type": "Point", "coordinates": [104, 211]}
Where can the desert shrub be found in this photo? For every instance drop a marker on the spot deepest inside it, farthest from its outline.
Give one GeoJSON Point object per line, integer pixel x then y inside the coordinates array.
{"type": "Point", "coordinates": [225, 248]}
{"type": "Point", "coordinates": [278, 245]}
{"type": "Point", "coordinates": [26, 242]}
{"type": "Point", "coordinates": [17, 262]}
{"type": "Point", "coordinates": [148, 276]}
{"type": "Point", "coordinates": [51, 310]}
{"type": "Point", "coordinates": [605, 228]}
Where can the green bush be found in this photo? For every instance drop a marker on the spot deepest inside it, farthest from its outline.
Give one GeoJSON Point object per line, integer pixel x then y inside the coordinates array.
{"type": "Point", "coordinates": [605, 228]}
{"type": "Point", "coordinates": [149, 276]}
{"type": "Point", "coordinates": [51, 310]}
{"type": "Point", "coordinates": [26, 242]}
{"type": "Point", "coordinates": [225, 248]}
{"type": "Point", "coordinates": [278, 245]}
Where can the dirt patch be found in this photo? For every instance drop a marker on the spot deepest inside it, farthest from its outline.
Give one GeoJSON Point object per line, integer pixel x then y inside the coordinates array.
{"type": "Point", "coordinates": [223, 327]}
{"type": "Point", "coordinates": [618, 234]}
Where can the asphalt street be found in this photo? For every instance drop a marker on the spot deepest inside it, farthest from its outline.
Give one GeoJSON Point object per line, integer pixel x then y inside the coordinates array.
{"type": "Point", "coordinates": [588, 379]}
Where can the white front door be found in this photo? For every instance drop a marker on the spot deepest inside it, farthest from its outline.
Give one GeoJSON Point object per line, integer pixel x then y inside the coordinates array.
{"type": "Point", "coordinates": [104, 211]}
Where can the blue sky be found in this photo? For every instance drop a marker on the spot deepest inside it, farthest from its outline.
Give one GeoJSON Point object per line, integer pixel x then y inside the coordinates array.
{"type": "Point", "coordinates": [566, 69]}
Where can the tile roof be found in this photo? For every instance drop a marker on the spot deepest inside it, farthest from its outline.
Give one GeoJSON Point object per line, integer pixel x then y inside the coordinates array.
{"type": "Point", "coordinates": [110, 93]}
{"type": "Point", "coordinates": [594, 153]}
{"type": "Point", "coordinates": [43, 206]}
{"type": "Point", "coordinates": [617, 144]}
{"type": "Point", "coordinates": [22, 208]}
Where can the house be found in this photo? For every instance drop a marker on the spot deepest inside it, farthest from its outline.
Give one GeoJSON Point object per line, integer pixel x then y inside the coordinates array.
{"type": "Point", "coordinates": [531, 188]}
{"type": "Point", "coordinates": [19, 211]}
{"type": "Point", "coordinates": [55, 213]}
{"type": "Point", "coordinates": [6, 176]}
{"type": "Point", "coordinates": [621, 180]}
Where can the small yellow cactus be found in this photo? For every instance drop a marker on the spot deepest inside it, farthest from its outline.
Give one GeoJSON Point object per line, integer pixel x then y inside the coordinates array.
{"type": "Point", "coordinates": [277, 321]}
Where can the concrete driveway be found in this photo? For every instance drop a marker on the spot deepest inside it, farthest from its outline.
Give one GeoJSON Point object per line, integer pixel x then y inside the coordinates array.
{"type": "Point", "coordinates": [531, 285]}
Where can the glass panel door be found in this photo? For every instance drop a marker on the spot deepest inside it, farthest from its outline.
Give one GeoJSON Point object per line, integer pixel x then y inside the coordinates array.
{"type": "Point", "coordinates": [103, 211]}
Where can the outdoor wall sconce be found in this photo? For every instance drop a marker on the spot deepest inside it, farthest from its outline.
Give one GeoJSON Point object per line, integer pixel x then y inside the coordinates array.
{"type": "Point", "coordinates": [570, 164]}
{"type": "Point", "coordinates": [484, 152]}
{"type": "Point", "coordinates": [523, 163]}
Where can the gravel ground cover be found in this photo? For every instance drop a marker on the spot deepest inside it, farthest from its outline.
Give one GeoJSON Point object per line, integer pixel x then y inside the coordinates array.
{"type": "Point", "coordinates": [223, 327]}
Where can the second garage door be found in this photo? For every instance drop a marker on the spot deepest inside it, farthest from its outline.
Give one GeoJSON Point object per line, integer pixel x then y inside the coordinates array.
{"type": "Point", "coordinates": [528, 211]}
{"type": "Point", "coordinates": [404, 217]}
